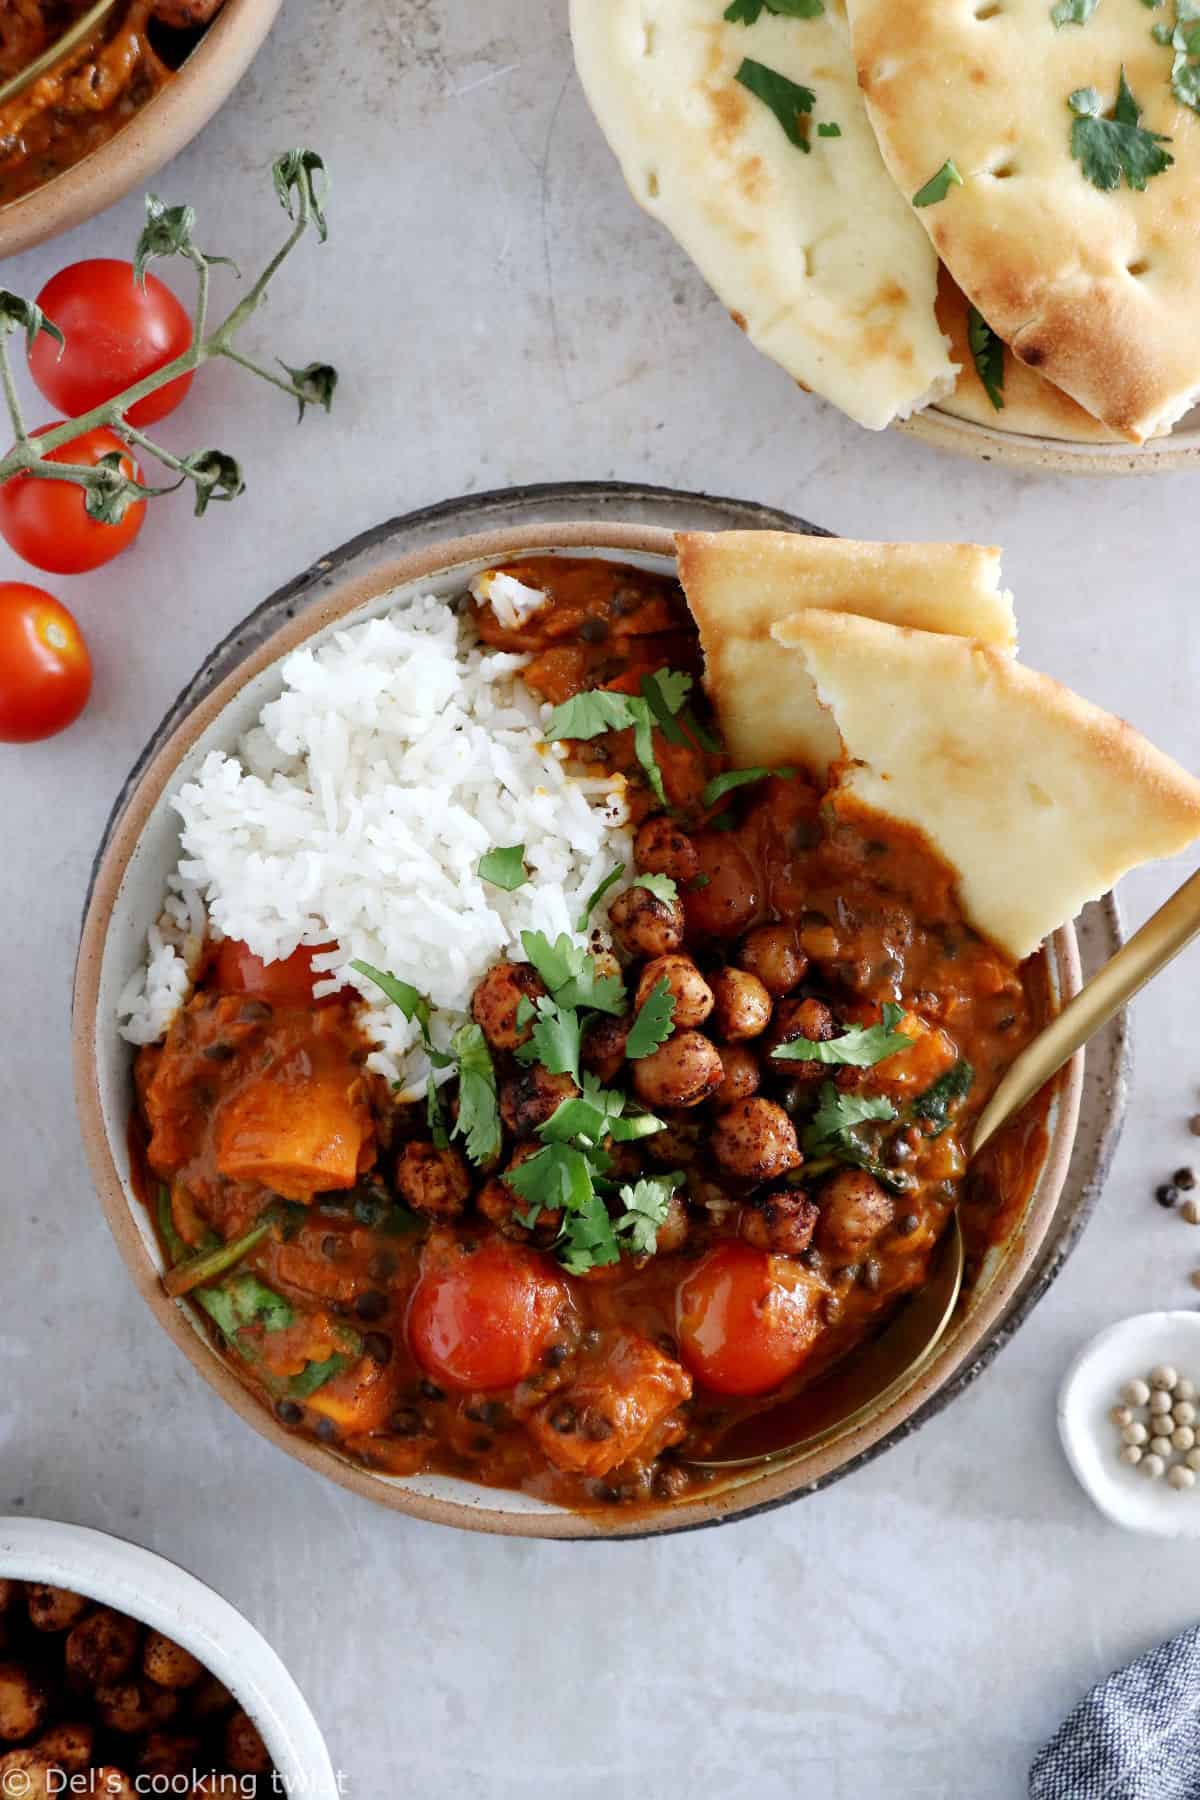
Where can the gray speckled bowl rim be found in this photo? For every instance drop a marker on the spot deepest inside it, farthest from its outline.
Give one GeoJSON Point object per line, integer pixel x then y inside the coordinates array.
{"type": "Point", "coordinates": [1109, 1062]}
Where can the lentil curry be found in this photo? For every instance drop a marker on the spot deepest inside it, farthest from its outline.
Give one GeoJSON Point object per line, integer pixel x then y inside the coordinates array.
{"type": "Point", "coordinates": [90, 93]}
{"type": "Point", "coordinates": [664, 1190]}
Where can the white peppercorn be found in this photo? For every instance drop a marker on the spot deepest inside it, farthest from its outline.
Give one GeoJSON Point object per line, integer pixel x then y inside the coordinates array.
{"type": "Point", "coordinates": [1134, 1434]}
{"type": "Point", "coordinates": [1181, 1477]}
{"type": "Point", "coordinates": [1131, 1454]}
{"type": "Point", "coordinates": [1164, 1377]}
{"type": "Point", "coordinates": [1160, 1401]}
{"type": "Point", "coordinates": [1183, 1413]}
{"type": "Point", "coordinates": [1135, 1393]}
{"type": "Point", "coordinates": [1152, 1466]}
{"type": "Point", "coordinates": [1183, 1437]}
{"type": "Point", "coordinates": [1160, 1446]}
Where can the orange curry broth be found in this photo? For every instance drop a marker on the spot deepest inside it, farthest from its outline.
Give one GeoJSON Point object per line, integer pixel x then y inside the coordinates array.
{"type": "Point", "coordinates": [877, 913]}
{"type": "Point", "coordinates": [82, 100]}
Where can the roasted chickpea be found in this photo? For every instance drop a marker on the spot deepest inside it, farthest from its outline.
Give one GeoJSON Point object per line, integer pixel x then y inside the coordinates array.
{"type": "Point", "coordinates": [742, 1005]}
{"type": "Point", "coordinates": [168, 1664]}
{"type": "Point", "coordinates": [854, 1210]}
{"type": "Point", "coordinates": [24, 1703]}
{"type": "Point", "coordinates": [682, 1072]}
{"type": "Point", "coordinates": [672, 1234]}
{"type": "Point", "coordinates": [114, 1784]}
{"type": "Point", "coordinates": [26, 1775]}
{"type": "Point", "coordinates": [527, 1100]}
{"type": "Point", "coordinates": [131, 1707]}
{"type": "Point", "coordinates": [54, 1608]}
{"type": "Point", "coordinates": [434, 1182]}
{"type": "Point", "coordinates": [794, 1019]}
{"type": "Point", "coordinates": [165, 1753]}
{"type": "Point", "coordinates": [644, 925]}
{"type": "Point", "coordinates": [773, 953]}
{"type": "Point", "coordinates": [755, 1140]}
{"type": "Point", "coordinates": [101, 1648]}
{"type": "Point", "coordinates": [677, 1144]}
{"type": "Point", "coordinates": [496, 1000]}
{"type": "Point", "coordinates": [742, 1074]}
{"type": "Point", "coordinates": [8, 1593]}
{"type": "Point", "coordinates": [604, 1045]}
{"type": "Point", "coordinates": [244, 1748]}
{"type": "Point", "coordinates": [661, 848]}
{"type": "Point", "coordinates": [783, 1221]}
{"type": "Point", "coordinates": [692, 994]}
{"type": "Point", "coordinates": [209, 1698]}
{"type": "Point", "coordinates": [725, 901]}
{"type": "Point", "coordinates": [69, 1747]}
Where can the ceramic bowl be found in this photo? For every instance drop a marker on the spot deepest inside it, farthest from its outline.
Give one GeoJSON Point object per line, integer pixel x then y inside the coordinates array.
{"type": "Point", "coordinates": [1063, 456]}
{"type": "Point", "coordinates": [149, 1588]}
{"type": "Point", "coordinates": [127, 896]}
{"type": "Point", "coordinates": [154, 135]}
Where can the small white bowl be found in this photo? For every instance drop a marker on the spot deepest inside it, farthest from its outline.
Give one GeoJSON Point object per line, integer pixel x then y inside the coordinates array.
{"type": "Point", "coordinates": [159, 1594]}
{"type": "Point", "coordinates": [1090, 1390]}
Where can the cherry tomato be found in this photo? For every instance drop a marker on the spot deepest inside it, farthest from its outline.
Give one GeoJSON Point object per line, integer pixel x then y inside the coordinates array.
{"type": "Point", "coordinates": [45, 669]}
{"type": "Point", "coordinates": [288, 982]}
{"type": "Point", "coordinates": [483, 1318]}
{"type": "Point", "coordinates": [746, 1320]}
{"type": "Point", "coordinates": [116, 333]}
{"type": "Point", "coordinates": [45, 521]}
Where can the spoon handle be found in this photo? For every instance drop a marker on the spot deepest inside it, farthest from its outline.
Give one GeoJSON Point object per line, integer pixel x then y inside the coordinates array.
{"type": "Point", "coordinates": [1160, 939]}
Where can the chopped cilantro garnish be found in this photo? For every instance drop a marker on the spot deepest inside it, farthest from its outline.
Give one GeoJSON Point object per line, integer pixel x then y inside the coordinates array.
{"type": "Point", "coordinates": [837, 1115]}
{"type": "Point", "coordinates": [596, 896]}
{"type": "Point", "coordinates": [1185, 70]}
{"type": "Point", "coordinates": [557, 1038]}
{"type": "Point", "coordinates": [478, 1121]}
{"type": "Point", "coordinates": [860, 1047]}
{"type": "Point", "coordinates": [658, 691]}
{"type": "Point", "coordinates": [401, 993]}
{"type": "Point", "coordinates": [646, 1204]}
{"type": "Point", "coordinates": [987, 352]}
{"type": "Point", "coordinates": [504, 867]}
{"type": "Point", "coordinates": [746, 12]}
{"type": "Point", "coordinates": [244, 1300]}
{"type": "Point", "coordinates": [586, 715]}
{"type": "Point", "coordinates": [317, 1374]}
{"type": "Point", "coordinates": [938, 186]}
{"type": "Point", "coordinates": [829, 129]}
{"type": "Point", "coordinates": [1107, 149]}
{"type": "Point", "coordinates": [662, 887]}
{"type": "Point", "coordinates": [699, 881]}
{"type": "Point", "coordinates": [586, 1119]}
{"type": "Point", "coordinates": [1073, 12]}
{"type": "Point", "coordinates": [736, 778]}
{"type": "Point", "coordinates": [790, 102]}
{"type": "Point", "coordinates": [571, 975]}
{"type": "Point", "coordinates": [652, 1026]}
{"type": "Point", "coordinates": [933, 1108]}
{"type": "Point", "coordinates": [1161, 34]}
{"type": "Point", "coordinates": [703, 737]}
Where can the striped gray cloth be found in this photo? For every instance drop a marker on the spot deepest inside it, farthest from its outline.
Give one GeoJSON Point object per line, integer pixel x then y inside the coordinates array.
{"type": "Point", "coordinates": [1136, 1736]}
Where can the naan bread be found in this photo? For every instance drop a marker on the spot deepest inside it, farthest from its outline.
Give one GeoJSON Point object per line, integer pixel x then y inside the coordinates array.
{"type": "Point", "coordinates": [1031, 405]}
{"type": "Point", "coordinates": [817, 257]}
{"type": "Point", "coordinates": [1036, 798]}
{"type": "Point", "coordinates": [1094, 289]}
{"type": "Point", "coordinates": [741, 583]}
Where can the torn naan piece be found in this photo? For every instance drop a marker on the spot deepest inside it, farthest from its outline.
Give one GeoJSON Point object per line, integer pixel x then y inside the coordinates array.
{"type": "Point", "coordinates": [1037, 799]}
{"type": "Point", "coordinates": [1048, 152]}
{"type": "Point", "coordinates": [748, 139]}
{"type": "Point", "coordinates": [741, 583]}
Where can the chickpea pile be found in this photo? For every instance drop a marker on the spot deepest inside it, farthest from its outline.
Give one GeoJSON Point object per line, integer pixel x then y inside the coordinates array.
{"type": "Point", "coordinates": [92, 1702]}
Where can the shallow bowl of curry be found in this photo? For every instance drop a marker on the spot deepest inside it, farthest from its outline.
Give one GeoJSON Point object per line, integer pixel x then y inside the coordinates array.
{"type": "Point", "coordinates": [103, 122]}
{"type": "Point", "coordinates": [1005, 1206]}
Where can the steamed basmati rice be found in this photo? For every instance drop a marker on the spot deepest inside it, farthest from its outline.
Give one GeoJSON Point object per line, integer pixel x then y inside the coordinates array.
{"type": "Point", "coordinates": [357, 811]}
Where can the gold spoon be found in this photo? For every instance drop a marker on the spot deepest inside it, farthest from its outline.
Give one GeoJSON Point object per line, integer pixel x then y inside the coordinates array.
{"type": "Point", "coordinates": [75, 34]}
{"type": "Point", "coordinates": [890, 1362]}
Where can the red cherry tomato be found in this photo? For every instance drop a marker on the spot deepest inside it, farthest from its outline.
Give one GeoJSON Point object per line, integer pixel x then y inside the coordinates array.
{"type": "Point", "coordinates": [288, 982]}
{"type": "Point", "coordinates": [45, 669]}
{"type": "Point", "coordinates": [483, 1318]}
{"type": "Point", "coordinates": [45, 521]}
{"type": "Point", "coordinates": [746, 1320]}
{"type": "Point", "coordinates": [116, 333]}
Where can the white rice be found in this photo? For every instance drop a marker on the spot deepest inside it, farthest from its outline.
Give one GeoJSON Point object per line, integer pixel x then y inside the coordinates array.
{"type": "Point", "coordinates": [357, 811]}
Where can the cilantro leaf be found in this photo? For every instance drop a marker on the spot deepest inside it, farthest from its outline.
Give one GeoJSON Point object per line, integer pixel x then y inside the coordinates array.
{"type": "Point", "coordinates": [504, 867]}
{"type": "Point", "coordinates": [1185, 69]}
{"type": "Point", "coordinates": [663, 887]}
{"type": "Point", "coordinates": [401, 993]}
{"type": "Point", "coordinates": [831, 129]}
{"type": "Point", "coordinates": [558, 1178]}
{"type": "Point", "coordinates": [645, 1208]}
{"type": "Point", "coordinates": [987, 352]}
{"type": "Point", "coordinates": [244, 1300]}
{"type": "Point", "coordinates": [586, 715]}
{"type": "Point", "coordinates": [596, 896]}
{"type": "Point", "coordinates": [652, 1026]}
{"type": "Point", "coordinates": [1073, 12]}
{"type": "Point", "coordinates": [643, 749]}
{"type": "Point", "coordinates": [556, 1040]}
{"type": "Point", "coordinates": [703, 737]}
{"type": "Point", "coordinates": [939, 185]}
{"type": "Point", "coordinates": [317, 1374]}
{"type": "Point", "coordinates": [570, 973]}
{"type": "Point", "coordinates": [860, 1047]}
{"type": "Point", "coordinates": [478, 1120]}
{"type": "Point", "coordinates": [837, 1115]}
{"type": "Point", "coordinates": [933, 1108]}
{"type": "Point", "coordinates": [736, 778]}
{"type": "Point", "coordinates": [588, 1118]}
{"type": "Point", "coordinates": [658, 691]}
{"type": "Point", "coordinates": [587, 1240]}
{"type": "Point", "coordinates": [435, 1117]}
{"type": "Point", "coordinates": [746, 12]}
{"type": "Point", "coordinates": [787, 99]}
{"type": "Point", "coordinates": [1107, 149]}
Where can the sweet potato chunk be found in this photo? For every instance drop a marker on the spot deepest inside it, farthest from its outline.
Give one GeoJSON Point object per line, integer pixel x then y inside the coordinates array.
{"type": "Point", "coordinates": [299, 1131]}
{"type": "Point", "coordinates": [613, 1409]}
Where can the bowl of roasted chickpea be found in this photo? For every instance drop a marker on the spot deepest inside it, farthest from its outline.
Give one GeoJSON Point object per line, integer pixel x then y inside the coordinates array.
{"type": "Point", "coordinates": [122, 1675]}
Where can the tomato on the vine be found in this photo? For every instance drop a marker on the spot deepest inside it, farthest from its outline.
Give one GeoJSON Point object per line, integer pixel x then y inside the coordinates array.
{"type": "Point", "coordinates": [45, 669]}
{"type": "Point", "coordinates": [46, 521]}
{"type": "Point", "coordinates": [116, 332]}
